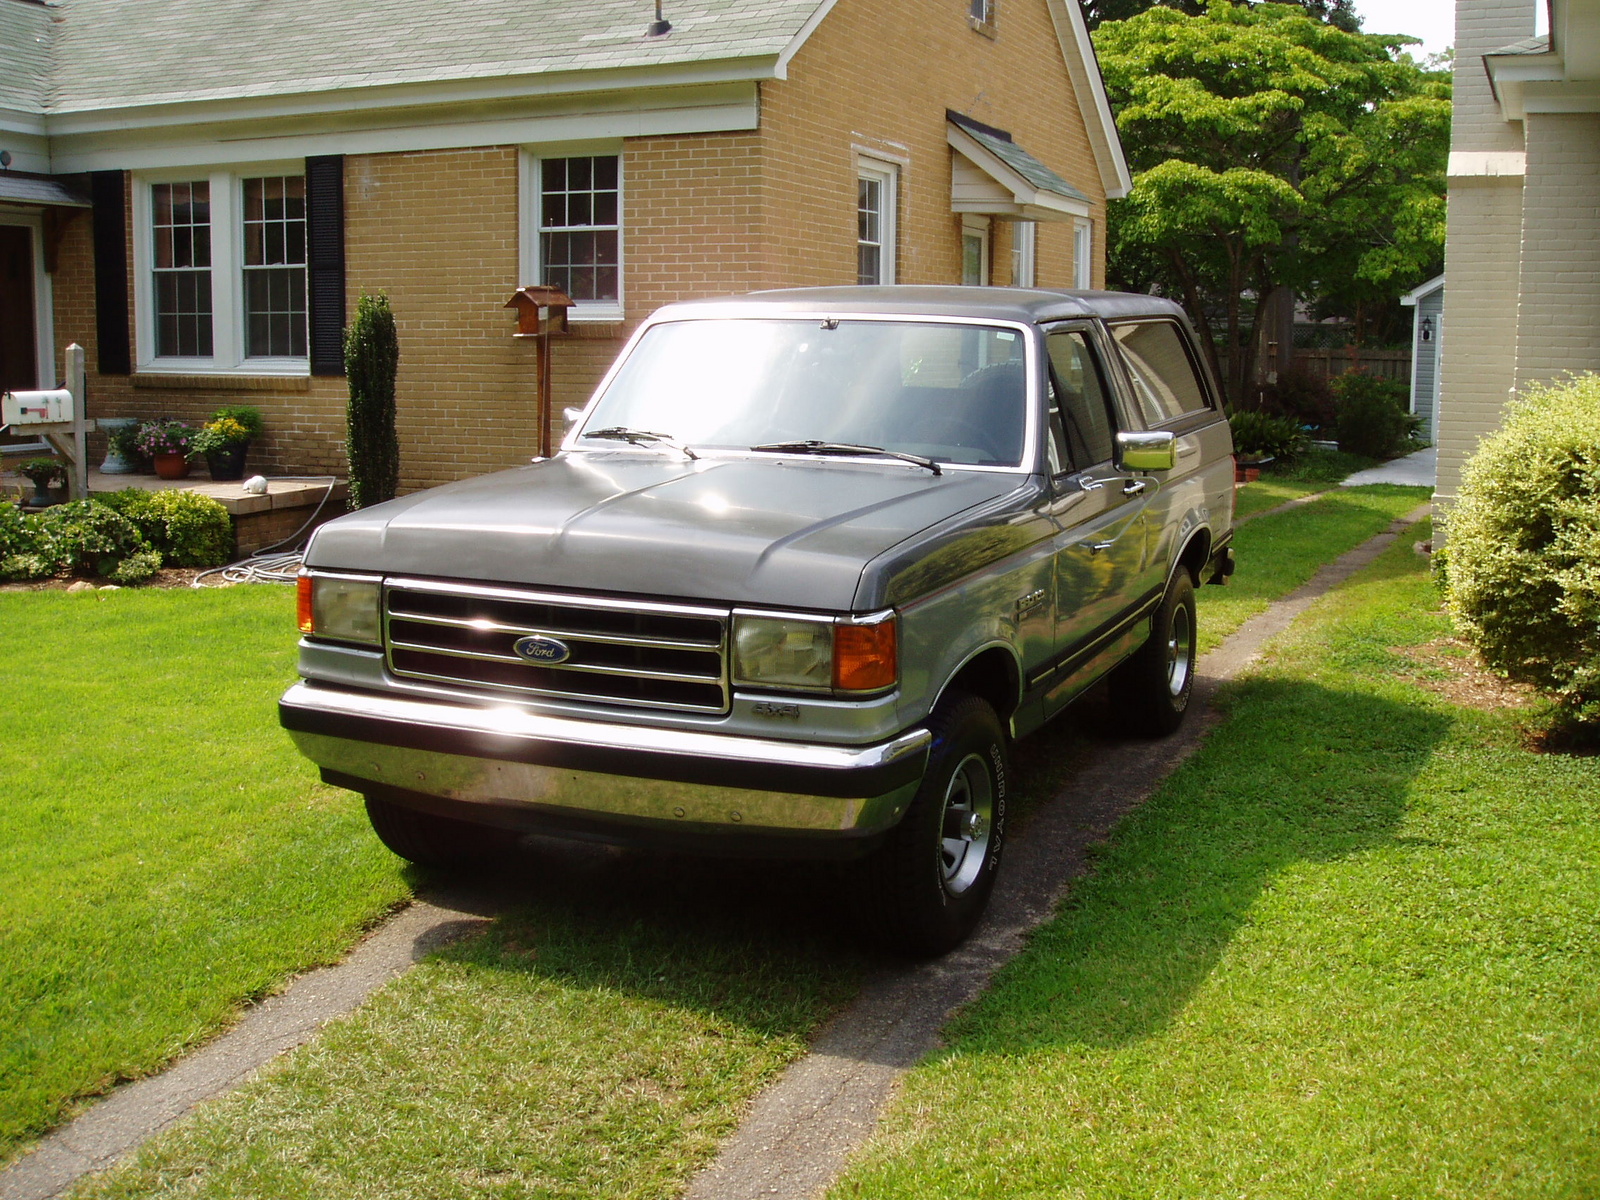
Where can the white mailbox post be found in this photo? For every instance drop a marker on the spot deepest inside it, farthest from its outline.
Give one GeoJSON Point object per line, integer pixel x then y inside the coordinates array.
{"type": "Point", "coordinates": [58, 414]}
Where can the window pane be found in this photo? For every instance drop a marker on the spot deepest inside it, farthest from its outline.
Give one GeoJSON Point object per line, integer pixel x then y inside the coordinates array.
{"type": "Point", "coordinates": [578, 218]}
{"type": "Point", "coordinates": [1163, 376]}
{"type": "Point", "coordinates": [181, 244]}
{"type": "Point", "coordinates": [1079, 400]}
{"type": "Point", "coordinates": [274, 266]}
{"type": "Point", "coordinates": [869, 268]}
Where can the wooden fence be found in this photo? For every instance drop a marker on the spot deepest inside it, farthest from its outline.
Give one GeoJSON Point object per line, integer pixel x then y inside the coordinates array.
{"type": "Point", "coordinates": [1330, 364]}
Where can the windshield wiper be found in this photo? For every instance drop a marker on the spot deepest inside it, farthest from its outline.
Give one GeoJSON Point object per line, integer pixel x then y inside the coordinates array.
{"type": "Point", "coordinates": [816, 447]}
{"type": "Point", "coordinates": [639, 437]}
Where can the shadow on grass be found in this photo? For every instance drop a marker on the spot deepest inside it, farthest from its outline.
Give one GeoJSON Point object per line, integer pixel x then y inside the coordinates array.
{"type": "Point", "coordinates": [764, 944]}
{"type": "Point", "coordinates": [1299, 773]}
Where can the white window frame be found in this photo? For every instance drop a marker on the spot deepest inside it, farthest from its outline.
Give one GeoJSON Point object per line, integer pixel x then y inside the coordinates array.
{"type": "Point", "coordinates": [1024, 253]}
{"type": "Point", "coordinates": [530, 268]}
{"type": "Point", "coordinates": [887, 175]}
{"type": "Point", "coordinates": [228, 339]}
{"type": "Point", "coordinates": [981, 13]}
{"type": "Point", "coordinates": [979, 229]}
{"type": "Point", "coordinates": [44, 337]}
{"type": "Point", "coordinates": [1083, 254]}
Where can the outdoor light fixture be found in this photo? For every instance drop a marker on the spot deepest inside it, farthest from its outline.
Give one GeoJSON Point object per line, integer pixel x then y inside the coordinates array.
{"type": "Point", "coordinates": [5, 159]}
{"type": "Point", "coordinates": [1427, 329]}
{"type": "Point", "coordinates": [660, 27]}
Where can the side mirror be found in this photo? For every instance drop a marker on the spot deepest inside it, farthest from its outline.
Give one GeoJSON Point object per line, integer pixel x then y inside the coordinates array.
{"type": "Point", "coordinates": [1156, 450]}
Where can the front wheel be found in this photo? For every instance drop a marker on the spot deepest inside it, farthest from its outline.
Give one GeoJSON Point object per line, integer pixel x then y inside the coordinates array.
{"type": "Point", "coordinates": [922, 891]}
{"type": "Point", "coordinates": [432, 841]}
{"type": "Point", "coordinates": [1153, 687]}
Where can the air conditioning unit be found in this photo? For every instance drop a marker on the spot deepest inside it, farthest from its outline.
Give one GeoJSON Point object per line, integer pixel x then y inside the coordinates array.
{"type": "Point", "coordinates": [37, 408]}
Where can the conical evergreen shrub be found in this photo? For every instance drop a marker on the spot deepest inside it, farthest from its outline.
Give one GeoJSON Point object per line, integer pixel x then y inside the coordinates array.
{"type": "Point", "coordinates": [371, 359]}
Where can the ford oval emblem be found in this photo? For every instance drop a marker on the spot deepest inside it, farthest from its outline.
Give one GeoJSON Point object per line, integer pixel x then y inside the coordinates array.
{"type": "Point", "coordinates": [545, 651]}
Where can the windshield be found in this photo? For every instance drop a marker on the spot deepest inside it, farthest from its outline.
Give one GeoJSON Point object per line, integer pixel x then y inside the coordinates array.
{"type": "Point", "coordinates": [951, 393]}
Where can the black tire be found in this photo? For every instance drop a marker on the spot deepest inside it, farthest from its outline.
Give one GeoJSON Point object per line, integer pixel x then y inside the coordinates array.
{"type": "Point", "coordinates": [1152, 689]}
{"type": "Point", "coordinates": [921, 892]}
{"type": "Point", "coordinates": [432, 841]}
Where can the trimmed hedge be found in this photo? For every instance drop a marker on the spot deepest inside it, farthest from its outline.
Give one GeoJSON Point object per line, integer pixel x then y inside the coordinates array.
{"type": "Point", "coordinates": [189, 529]}
{"type": "Point", "coordinates": [1524, 540]}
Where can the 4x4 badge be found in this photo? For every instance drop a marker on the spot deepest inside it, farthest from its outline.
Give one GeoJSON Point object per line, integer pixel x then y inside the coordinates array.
{"type": "Point", "coordinates": [545, 651]}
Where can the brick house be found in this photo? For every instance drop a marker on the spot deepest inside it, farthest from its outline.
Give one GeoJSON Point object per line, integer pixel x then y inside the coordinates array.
{"type": "Point", "coordinates": [1522, 250]}
{"type": "Point", "coordinates": [201, 191]}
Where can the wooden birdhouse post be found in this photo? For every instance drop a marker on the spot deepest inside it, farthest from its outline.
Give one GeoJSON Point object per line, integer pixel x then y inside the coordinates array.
{"type": "Point", "coordinates": [541, 311]}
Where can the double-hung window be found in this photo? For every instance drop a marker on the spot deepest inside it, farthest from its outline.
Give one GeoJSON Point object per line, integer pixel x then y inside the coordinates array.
{"type": "Point", "coordinates": [221, 264]}
{"type": "Point", "coordinates": [572, 229]}
{"type": "Point", "coordinates": [875, 223]}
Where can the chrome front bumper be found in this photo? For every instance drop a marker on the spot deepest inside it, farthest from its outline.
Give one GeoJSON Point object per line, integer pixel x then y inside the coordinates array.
{"type": "Point", "coordinates": [507, 758]}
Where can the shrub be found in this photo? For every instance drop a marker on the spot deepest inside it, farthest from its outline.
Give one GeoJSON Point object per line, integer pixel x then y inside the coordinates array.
{"type": "Point", "coordinates": [371, 359]}
{"type": "Point", "coordinates": [1524, 566]}
{"type": "Point", "coordinates": [1301, 396]}
{"type": "Point", "coordinates": [86, 537]}
{"type": "Point", "coordinates": [1261, 435]}
{"type": "Point", "coordinates": [1372, 418]}
{"type": "Point", "coordinates": [190, 530]}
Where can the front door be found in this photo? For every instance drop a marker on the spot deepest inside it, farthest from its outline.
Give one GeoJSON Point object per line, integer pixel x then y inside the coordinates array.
{"type": "Point", "coordinates": [19, 341]}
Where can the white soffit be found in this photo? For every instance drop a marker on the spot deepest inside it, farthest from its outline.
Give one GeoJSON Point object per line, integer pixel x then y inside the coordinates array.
{"type": "Point", "coordinates": [983, 182]}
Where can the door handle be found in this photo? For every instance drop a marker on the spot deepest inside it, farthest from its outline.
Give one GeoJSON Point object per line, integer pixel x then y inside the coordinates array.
{"type": "Point", "coordinates": [1091, 485]}
{"type": "Point", "coordinates": [1133, 487]}
{"type": "Point", "coordinates": [1096, 547]}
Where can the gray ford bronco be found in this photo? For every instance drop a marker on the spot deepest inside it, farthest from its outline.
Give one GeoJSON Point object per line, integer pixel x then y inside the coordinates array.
{"type": "Point", "coordinates": [802, 569]}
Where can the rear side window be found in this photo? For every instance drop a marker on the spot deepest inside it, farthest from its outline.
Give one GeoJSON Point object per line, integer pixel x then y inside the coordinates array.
{"type": "Point", "coordinates": [1164, 379]}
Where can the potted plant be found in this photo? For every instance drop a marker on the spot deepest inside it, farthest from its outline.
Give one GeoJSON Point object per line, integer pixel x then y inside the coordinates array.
{"type": "Point", "coordinates": [43, 472]}
{"type": "Point", "coordinates": [121, 455]}
{"type": "Point", "coordinates": [168, 444]}
{"type": "Point", "coordinates": [226, 438]}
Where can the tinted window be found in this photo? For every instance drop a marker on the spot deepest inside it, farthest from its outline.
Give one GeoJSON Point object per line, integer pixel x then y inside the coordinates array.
{"type": "Point", "coordinates": [1081, 425]}
{"type": "Point", "coordinates": [1163, 377]}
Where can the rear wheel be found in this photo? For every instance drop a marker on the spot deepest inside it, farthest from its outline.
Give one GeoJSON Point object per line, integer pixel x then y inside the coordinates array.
{"type": "Point", "coordinates": [923, 890]}
{"type": "Point", "coordinates": [1153, 687]}
{"type": "Point", "coordinates": [432, 841]}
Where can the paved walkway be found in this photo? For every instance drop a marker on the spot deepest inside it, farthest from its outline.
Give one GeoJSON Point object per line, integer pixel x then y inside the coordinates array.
{"type": "Point", "coordinates": [802, 1129]}
{"type": "Point", "coordinates": [1414, 470]}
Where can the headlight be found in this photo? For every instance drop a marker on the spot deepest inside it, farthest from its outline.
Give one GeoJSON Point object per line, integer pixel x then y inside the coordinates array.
{"type": "Point", "coordinates": [343, 608]}
{"type": "Point", "coordinates": [811, 655]}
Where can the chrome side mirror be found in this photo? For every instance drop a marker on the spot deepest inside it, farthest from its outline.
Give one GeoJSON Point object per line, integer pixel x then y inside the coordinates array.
{"type": "Point", "coordinates": [1155, 450]}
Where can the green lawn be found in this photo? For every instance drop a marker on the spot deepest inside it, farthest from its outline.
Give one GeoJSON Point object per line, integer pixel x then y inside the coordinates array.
{"type": "Point", "coordinates": [165, 854]}
{"type": "Point", "coordinates": [1352, 948]}
{"type": "Point", "coordinates": [1277, 554]}
{"type": "Point", "coordinates": [1267, 492]}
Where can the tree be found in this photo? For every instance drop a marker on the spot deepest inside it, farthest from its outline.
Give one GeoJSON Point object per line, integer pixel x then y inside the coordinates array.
{"type": "Point", "coordinates": [371, 360]}
{"type": "Point", "coordinates": [1340, 13]}
{"type": "Point", "coordinates": [1270, 151]}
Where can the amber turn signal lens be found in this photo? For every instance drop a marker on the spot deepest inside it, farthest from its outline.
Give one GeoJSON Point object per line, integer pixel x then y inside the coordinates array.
{"type": "Point", "coordinates": [302, 586]}
{"type": "Point", "coordinates": [864, 657]}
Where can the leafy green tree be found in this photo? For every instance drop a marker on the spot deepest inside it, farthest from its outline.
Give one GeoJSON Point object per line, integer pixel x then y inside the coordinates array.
{"type": "Point", "coordinates": [1270, 151]}
{"type": "Point", "coordinates": [1340, 13]}
{"type": "Point", "coordinates": [371, 361]}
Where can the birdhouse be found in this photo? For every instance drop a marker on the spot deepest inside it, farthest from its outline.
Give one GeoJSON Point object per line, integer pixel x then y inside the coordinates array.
{"type": "Point", "coordinates": [540, 309]}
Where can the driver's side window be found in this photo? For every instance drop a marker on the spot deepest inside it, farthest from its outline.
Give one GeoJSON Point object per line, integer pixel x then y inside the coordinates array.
{"type": "Point", "coordinates": [1082, 428]}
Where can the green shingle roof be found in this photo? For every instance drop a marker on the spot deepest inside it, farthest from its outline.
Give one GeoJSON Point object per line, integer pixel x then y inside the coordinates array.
{"type": "Point", "coordinates": [116, 53]}
{"type": "Point", "coordinates": [1023, 163]}
{"type": "Point", "coordinates": [25, 30]}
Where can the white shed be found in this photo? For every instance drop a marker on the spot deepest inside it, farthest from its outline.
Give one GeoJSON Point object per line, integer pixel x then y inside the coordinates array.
{"type": "Point", "coordinates": [1427, 331]}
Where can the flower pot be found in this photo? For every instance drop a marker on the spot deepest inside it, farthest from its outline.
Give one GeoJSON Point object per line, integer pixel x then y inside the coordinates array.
{"type": "Point", "coordinates": [42, 497]}
{"type": "Point", "coordinates": [227, 463]}
{"type": "Point", "coordinates": [116, 463]}
{"type": "Point", "coordinates": [172, 466]}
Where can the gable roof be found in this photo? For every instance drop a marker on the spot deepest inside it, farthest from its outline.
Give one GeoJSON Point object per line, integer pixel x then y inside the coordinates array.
{"type": "Point", "coordinates": [131, 53]}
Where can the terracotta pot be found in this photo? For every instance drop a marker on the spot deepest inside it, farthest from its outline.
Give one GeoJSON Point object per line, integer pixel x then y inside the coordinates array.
{"type": "Point", "coordinates": [172, 466]}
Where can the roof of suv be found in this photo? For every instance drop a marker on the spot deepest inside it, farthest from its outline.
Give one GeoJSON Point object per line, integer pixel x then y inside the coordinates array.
{"type": "Point", "coordinates": [1026, 305]}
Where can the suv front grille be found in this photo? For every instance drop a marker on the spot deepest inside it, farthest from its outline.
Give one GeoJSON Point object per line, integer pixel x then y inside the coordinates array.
{"type": "Point", "coordinates": [621, 652]}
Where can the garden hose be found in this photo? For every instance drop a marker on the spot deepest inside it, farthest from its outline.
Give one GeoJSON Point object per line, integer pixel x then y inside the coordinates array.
{"type": "Point", "coordinates": [272, 564]}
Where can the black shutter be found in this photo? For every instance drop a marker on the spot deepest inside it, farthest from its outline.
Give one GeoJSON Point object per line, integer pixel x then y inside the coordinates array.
{"type": "Point", "coordinates": [325, 261]}
{"type": "Point", "coordinates": [106, 190]}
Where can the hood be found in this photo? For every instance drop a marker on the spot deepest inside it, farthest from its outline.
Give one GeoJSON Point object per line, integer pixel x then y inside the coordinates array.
{"type": "Point", "coordinates": [794, 532]}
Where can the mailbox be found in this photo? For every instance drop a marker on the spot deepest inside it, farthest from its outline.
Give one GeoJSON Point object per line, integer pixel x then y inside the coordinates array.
{"type": "Point", "coordinates": [38, 408]}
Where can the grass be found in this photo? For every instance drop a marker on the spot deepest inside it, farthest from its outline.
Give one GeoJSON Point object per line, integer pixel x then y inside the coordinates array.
{"type": "Point", "coordinates": [165, 854]}
{"type": "Point", "coordinates": [1350, 948]}
{"type": "Point", "coordinates": [1277, 554]}
{"type": "Point", "coordinates": [599, 1041]}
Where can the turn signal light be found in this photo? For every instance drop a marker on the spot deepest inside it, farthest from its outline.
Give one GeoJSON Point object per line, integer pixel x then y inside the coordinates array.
{"type": "Point", "coordinates": [303, 613]}
{"type": "Point", "coordinates": [865, 657]}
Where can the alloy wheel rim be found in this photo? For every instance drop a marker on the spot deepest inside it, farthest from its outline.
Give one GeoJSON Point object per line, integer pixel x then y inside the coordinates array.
{"type": "Point", "coordinates": [967, 825]}
{"type": "Point", "coordinates": [1180, 647]}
